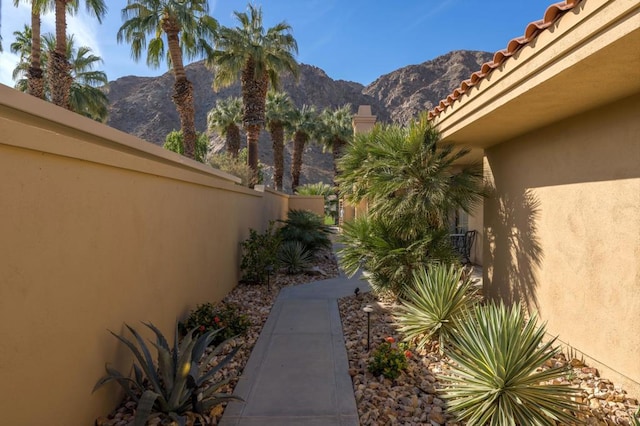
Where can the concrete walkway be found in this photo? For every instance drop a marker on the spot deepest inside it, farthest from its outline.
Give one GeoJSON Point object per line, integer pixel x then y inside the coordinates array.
{"type": "Point", "coordinates": [297, 373]}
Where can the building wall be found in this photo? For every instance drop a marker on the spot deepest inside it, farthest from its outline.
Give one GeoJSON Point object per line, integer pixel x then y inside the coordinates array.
{"type": "Point", "coordinates": [314, 203]}
{"type": "Point", "coordinates": [99, 229]}
{"type": "Point", "coordinates": [562, 232]}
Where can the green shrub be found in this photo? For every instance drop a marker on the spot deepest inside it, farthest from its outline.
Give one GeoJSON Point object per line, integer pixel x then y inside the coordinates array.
{"type": "Point", "coordinates": [496, 376]}
{"type": "Point", "coordinates": [431, 305]}
{"type": "Point", "coordinates": [174, 384]}
{"type": "Point", "coordinates": [260, 255]}
{"type": "Point", "coordinates": [238, 167]}
{"type": "Point", "coordinates": [387, 255]}
{"type": "Point", "coordinates": [174, 142]}
{"type": "Point", "coordinates": [389, 359]}
{"type": "Point", "coordinates": [224, 317]}
{"type": "Point", "coordinates": [295, 257]}
{"type": "Point", "coordinates": [307, 228]}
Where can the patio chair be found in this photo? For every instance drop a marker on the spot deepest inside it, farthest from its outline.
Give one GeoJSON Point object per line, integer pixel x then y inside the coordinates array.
{"type": "Point", "coordinates": [469, 239]}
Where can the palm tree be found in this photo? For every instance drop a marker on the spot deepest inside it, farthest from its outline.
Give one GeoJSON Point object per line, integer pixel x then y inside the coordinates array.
{"type": "Point", "coordinates": [404, 175]}
{"type": "Point", "coordinates": [411, 188]}
{"type": "Point", "coordinates": [336, 132]}
{"type": "Point", "coordinates": [189, 31]}
{"type": "Point", "coordinates": [304, 125]}
{"type": "Point", "coordinates": [257, 57]}
{"type": "Point", "coordinates": [226, 119]}
{"type": "Point", "coordinates": [59, 74]}
{"type": "Point", "coordinates": [35, 74]}
{"type": "Point", "coordinates": [278, 114]}
{"type": "Point", "coordinates": [86, 96]}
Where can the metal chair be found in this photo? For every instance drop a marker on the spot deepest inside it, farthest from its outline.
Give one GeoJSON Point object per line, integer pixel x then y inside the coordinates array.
{"type": "Point", "coordinates": [469, 239]}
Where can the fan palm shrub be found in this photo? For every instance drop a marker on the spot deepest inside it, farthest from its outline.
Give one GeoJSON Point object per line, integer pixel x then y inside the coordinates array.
{"type": "Point", "coordinates": [307, 228]}
{"type": "Point", "coordinates": [496, 375]}
{"type": "Point", "coordinates": [389, 256]}
{"type": "Point", "coordinates": [433, 303]}
{"type": "Point", "coordinates": [176, 383]}
{"type": "Point", "coordinates": [411, 187]}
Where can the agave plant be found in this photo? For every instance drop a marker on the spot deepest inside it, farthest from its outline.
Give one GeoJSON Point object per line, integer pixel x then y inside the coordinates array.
{"type": "Point", "coordinates": [439, 295]}
{"type": "Point", "coordinates": [496, 375]}
{"type": "Point", "coordinates": [295, 257]}
{"type": "Point", "coordinates": [176, 384]}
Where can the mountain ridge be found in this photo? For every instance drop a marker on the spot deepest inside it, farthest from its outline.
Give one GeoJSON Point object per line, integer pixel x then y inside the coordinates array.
{"type": "Point", "coordinates": [142, 106]}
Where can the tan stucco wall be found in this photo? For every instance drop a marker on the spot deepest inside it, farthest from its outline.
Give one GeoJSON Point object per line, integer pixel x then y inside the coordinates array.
{"type": "Point", "coordinates": [99, 228]}
{"type": "Point", "coordinates": [314, 203]}
{"type": "Point", "coordinates": [563, 232]}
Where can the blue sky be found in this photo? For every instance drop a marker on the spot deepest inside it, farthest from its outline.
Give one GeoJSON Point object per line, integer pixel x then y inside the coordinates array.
{"type": "Point", "coordinates": [353, 40]}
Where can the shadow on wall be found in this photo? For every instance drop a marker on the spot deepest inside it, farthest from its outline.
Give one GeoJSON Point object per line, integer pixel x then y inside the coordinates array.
{"type": "Point", "coordinates": [513, 248]}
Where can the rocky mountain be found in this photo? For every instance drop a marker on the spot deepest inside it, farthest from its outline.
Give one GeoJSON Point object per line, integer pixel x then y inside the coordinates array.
{"type": "Point", "coordinates": [143, 107]}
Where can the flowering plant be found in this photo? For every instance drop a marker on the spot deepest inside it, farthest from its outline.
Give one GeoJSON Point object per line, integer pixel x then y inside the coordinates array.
{"type": "Point", "coordinates": [389, 359]}
{"type": "Point", "coordinates": [208, 317]}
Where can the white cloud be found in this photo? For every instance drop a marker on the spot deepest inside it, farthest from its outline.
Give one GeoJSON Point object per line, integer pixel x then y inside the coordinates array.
{"type": "Point", "coordinates": [83, 26]}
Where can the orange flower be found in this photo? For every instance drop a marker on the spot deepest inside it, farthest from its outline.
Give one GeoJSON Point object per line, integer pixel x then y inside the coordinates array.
{"type": "Point", "coordinates": [390, 339]}
{"type": "Point", "coordinates": [408, 354]}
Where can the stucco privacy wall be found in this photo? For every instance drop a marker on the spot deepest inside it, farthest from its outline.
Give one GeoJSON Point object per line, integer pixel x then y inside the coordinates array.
{"type": "Point", "coordinates": [563, 232]}
{"type": "Point", "coordinates": [99, 228]}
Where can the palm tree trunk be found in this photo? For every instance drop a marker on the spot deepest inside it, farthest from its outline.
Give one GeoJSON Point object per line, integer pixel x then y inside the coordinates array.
{"type": "Point", "coordinates": [277, 139]}
{"type": "Point", "coordinates": [337, 153]}
{"type": "Point", "coordinates": [299, 141]}
{"type": "Point", "coordinates": [254, 95]}
{"type": "Point", "coordinates": [59, 69]}
{"type": "Point", "coordinates": [233, 140]}
{"type": "Point", "coordinates": [35, 81]}
{"type": "Point", "coordinates": [253, 134]}
{"type": "Point", "coordinates": [183, 93]}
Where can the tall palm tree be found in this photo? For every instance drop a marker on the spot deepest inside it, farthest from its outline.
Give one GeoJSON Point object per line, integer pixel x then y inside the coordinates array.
{"type": "Point", "coordinates": [86, 96]}
{"type": "Point", "coordinates": [336, 132]}
{"type": "Point", "coordinates": [226, 119]}
{"type": "Point", "coordinates": [278, 114]}
{"type": "Point", "coordinates": [257, 57]}
{"type": "Point", "coordinates": [59, 74]}
{"type": "Point", "coordinates": [35, 74]}
{"type": "Point", "coordinates": [304, 125]}
{"type": "Point", "coordinates": [189, 31]}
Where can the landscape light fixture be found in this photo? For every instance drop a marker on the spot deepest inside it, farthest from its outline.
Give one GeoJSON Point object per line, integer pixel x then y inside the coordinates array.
{"type": "Point", "coordinates": [368, 309]}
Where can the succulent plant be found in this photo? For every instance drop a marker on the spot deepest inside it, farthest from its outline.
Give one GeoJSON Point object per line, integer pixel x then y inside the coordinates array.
{"type": "Point", "coordinates": [294, 256]}
{"type": "Point", "coordinates": [431, 305]}
{"type": "Point", "coordinates": [496, 371]}
{"type": "Point", "coordinates": [177, 382]}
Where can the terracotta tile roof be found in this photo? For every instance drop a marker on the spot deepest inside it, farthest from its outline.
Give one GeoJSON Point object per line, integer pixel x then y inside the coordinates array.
{"type": "Point", "coordinates": [552, 13]}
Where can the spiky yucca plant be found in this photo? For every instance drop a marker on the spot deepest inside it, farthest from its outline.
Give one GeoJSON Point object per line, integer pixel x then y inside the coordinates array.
{"type": "Point", "coordinates": [295, 257]}
{"type": "Point", "coordinates": [496, 376]}
{"type": "Point", "coordinates": [432, 304]}
{"type": "Point", "coordinates": [175, 384]}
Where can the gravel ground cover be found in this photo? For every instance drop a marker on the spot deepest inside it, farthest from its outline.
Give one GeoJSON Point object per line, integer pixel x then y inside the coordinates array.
{"type": "Point", "coordinates": [411, 399]}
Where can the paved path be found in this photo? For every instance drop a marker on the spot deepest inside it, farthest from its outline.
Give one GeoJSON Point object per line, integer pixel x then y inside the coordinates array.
{"type": "Point", "coordinates": [298, 371]}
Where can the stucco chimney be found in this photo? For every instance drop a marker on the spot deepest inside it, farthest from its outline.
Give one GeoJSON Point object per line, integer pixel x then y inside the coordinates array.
{"type": "Point", "coordinates": [363, 121]}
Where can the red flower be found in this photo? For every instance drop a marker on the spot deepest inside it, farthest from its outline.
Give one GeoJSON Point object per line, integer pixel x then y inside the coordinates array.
{"type": "Point", "coordinates": [216, 320]}
{"type": "Point", "coordinates": [408, 354]}
{"type": "Point", "coordinates": [390, 339]}
{"type": "Point", "coordinates": [201, 328]}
